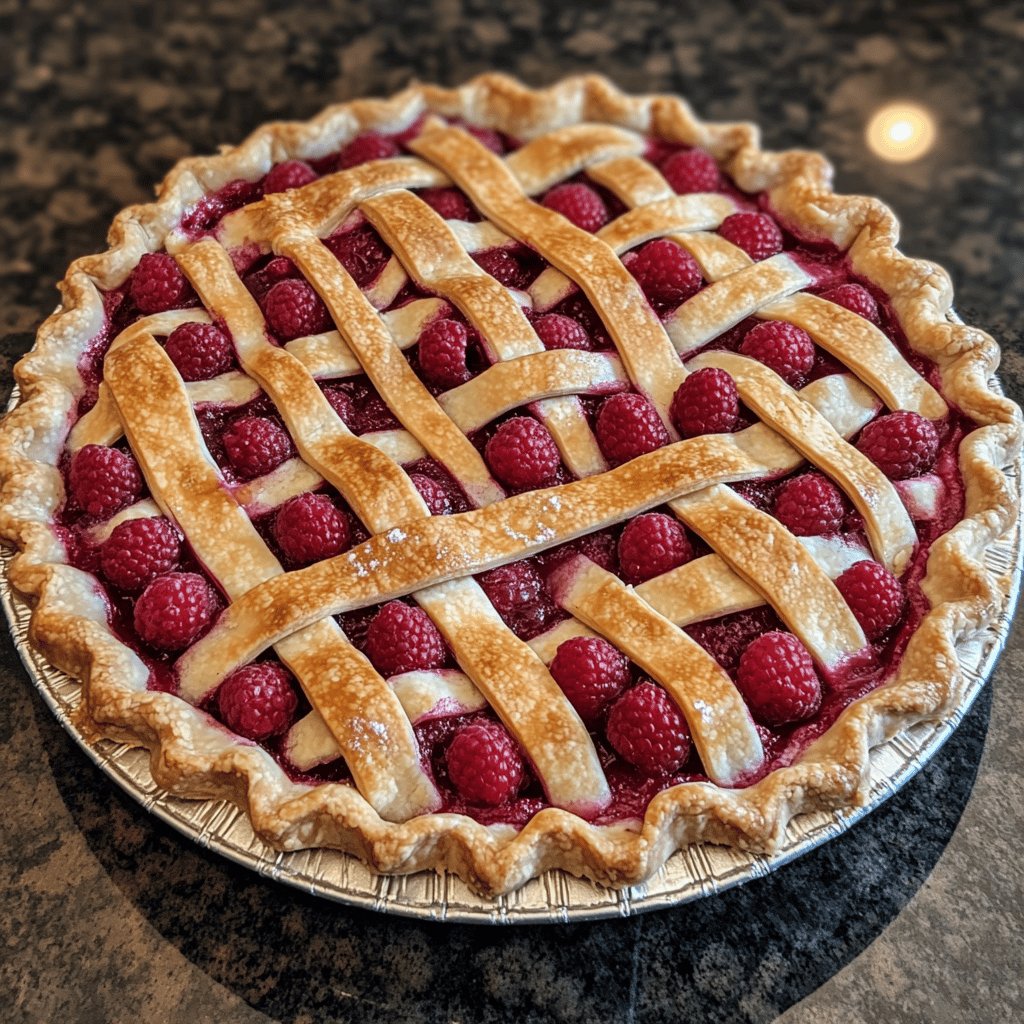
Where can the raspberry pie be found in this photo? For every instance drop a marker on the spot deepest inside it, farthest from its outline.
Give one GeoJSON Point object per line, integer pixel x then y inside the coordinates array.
{"type": "Point", "coordinates": [495, 480]}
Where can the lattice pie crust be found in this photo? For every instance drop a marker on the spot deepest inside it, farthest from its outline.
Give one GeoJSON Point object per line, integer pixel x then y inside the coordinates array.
{"type": "Point", "coordinates": [389, 818]}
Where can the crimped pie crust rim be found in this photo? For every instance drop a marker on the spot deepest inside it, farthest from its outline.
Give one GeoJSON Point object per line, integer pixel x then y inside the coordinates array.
{"type": "Point", "coordinates": [192, 757]}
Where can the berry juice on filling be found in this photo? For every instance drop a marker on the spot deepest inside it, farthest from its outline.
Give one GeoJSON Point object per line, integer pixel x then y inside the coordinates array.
{"type": "Point", "coordinates": [364, 255]}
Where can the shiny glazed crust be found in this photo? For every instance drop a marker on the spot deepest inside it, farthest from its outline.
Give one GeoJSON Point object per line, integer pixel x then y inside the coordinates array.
{"type": "Point", "coordinates": [192, 756]}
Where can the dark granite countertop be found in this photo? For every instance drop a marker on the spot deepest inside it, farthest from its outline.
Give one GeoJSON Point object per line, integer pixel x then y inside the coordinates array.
{"type": "Point", "coordinates": [107, 915]}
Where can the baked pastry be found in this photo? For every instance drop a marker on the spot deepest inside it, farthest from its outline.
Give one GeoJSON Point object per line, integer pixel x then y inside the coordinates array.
{"type": "Point", "coordinates": [495, 480]}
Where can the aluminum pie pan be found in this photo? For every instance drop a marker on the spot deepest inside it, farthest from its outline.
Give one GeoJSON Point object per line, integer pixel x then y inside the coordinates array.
{"type": "Point", "coordinates": [554, 897]}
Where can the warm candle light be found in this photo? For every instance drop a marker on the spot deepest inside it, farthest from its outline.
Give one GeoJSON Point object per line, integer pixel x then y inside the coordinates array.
{"type": "Point", "coordinates": [901, 132]}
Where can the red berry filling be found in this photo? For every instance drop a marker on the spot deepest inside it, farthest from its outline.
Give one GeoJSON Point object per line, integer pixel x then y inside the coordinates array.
{"type": "Point", "coordinates": [161, 601]}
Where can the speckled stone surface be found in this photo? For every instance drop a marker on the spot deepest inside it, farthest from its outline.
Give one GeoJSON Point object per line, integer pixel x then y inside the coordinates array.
{"type": "Point", "coordinates": [106, 915]}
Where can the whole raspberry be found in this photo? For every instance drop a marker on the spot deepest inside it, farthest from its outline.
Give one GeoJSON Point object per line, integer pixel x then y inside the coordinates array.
{"type": "Point", "coordinates": [309, 528]}
{"type": "Point", "coordinates": [706, 403]}
{"type": "Point", "coordinates": [810, 506]}
{"type": "Point", "coordinates": [591, 674]}
{"type": "Point", "coordinates": [666, 272]}
{"type": "Point", "coordinates": [401, 638]}
{"type": "Point", "coordinates": [692, 170]}
{"type": "Point", "coordinates": [293, 309]}
{"type": "Point", "coordinates": [442, 353]}
{"type": "Point", "coordinates": [174, 609]}
{"type": "Point", "coordinates": [103, 480]}
{"type": "Point", "coordinates": [138, 551]}
{"type": "Point", "coordinates": [628, 426]}
{"type": "Point", "coordinates": [651, 544]}
{"type": "Point", "coordinates": [503, 267]}
{"type": "Point", "coordinates": [341, 402]}
{"type": "Point", "coordinates": [782, 347]}
{"type": "Point", "coordinates": [874, 595]}
{"type": "Point", "coordinates": [365, 148]}
{"type": "Point", "coordinates": [579, 204]}
{"type": "Point", "coordinates": [449, 203]}
{"type": "Point", "coordinates": [484, 764]}
{"type": "Point", "coordinates": [158, 284]}
{"type": "Point", "coordinates": [255, 446]}
{"type": "Point", "coordinates": [432, 493]}
{"type": "Point", "coordinates": [755, 233]}
{"type": "Point", "coordinates": [647, 730]}
{"type": "Point", "coordinates": [856, 298]}
{"type": "Point", "coordinates": [522, 453]}
{"type": "Point", "coordinates": [291, 174]}
{"type": "Point", "coordinates": [776, 678]}
{"type": "Point", "coordinates": [557, 331]}
{"type": "Point", "coordinates": [200, 351]}
{"type": "Point", "coordinates": [361, 252]}
{"type": "Point", "coordinates": [516, 591]}
{"type": "Point", "coordinates": [901, 444]}
{"type": "Point", "coordinates": [258, 701]}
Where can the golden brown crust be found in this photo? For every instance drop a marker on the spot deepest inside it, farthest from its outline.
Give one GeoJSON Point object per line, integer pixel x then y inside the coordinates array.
{"type": "Point", "coordinates": [191, 757]}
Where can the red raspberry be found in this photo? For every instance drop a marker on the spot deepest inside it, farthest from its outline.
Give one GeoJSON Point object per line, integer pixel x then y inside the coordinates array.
{"type": "Point", "coordinates": [579, 204]}
{"type": "Point", "coordinates": [901, 444]}
{"type": "Point", "coordinates": [442, 353]}
{"type": "Point", "coordinates": [522, 453]}
{"type": "Point", "coordinates": [200, 351]}
{"type": "Point", "coordinates": [258, 701]}
{"type": "Point", "coordinates": [692, 170]}
{"type": "Point", "coordinates": [666, 272]}
{"type": "Point", "coordinates": [291, 174]}
{"type": "Point", "coordinates": [628, 426]}
{"type": "Point", "coordinates": [651, 544]}
{"type": "Point", "coordinates": [755, 233]}
{"type": "Point", "coordinates": [450, 203]}
{"type": "Point", "coordinates": [174, 609]}
{"type": "Point", "coordinates": [810, 506]}
{"type": "Point", "coordinates": [782, 347]}
{"type": "Point", "coordinates": [365, 148]}
{"type": "Point", "coordinates": [103, 480]}
{"type": "Point", "coordinates": [777, 679]}
{"type": "Point", "coordinates": [484, 764]}
{"type": "Point", "coordinates": [557, 331]}
{"type": "Point", "coordinates": [591, 674]}
{"type": "Point", "coordinates": [138, 551]}
{"type": "Point", "coordinates": [856, 298]}
{"type": "Point", "coordinates": [309, 528]}
{"type": "Point", "coordinates": [503, 267]}
{"type": "Point", "coordinates": [401, 638]}
{"type": "Point", "coordinates": [516, 591]}
{"type": "Point", "coordinates": [293, 309]}
{"type": "Point", "coordinates": [361, 252]}
{"type": "Point", "coordinates": [646, 729]}
{"type": "Point", "coordinates": [706, 403]}
{"type": "Point", "coordinates": [256, 446]}
{"type": "Point", "coordinates": [341, 403]}
{"type": "Point", "coordinates": [433, 494]}
{"type": "Point", "coordinates": [158, 284]}
{"type": "Point", "coordinates": [874, 595]}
